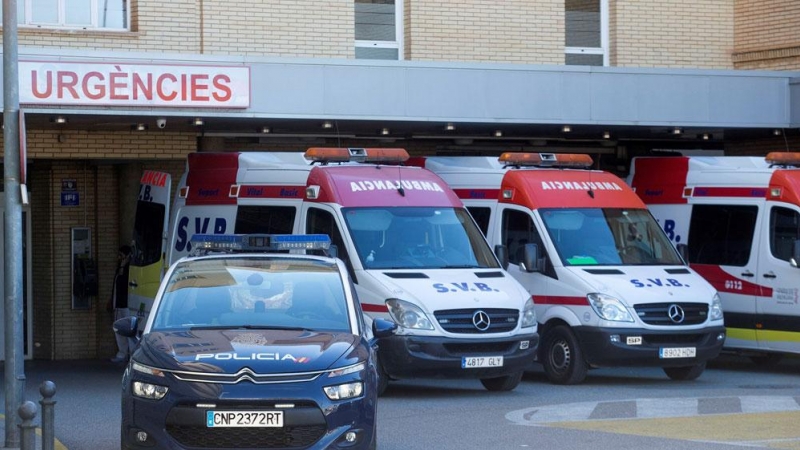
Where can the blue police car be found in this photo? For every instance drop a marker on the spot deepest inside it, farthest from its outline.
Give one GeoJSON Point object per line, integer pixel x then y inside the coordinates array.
{"type": "Point", "coordinates": [253, 348]}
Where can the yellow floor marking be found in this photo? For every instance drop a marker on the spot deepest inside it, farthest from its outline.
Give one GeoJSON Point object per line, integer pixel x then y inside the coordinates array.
{"type": "Point", "coordinates": [57, 445]}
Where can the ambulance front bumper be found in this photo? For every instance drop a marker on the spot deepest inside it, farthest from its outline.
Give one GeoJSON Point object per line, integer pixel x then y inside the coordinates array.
{"type": "Point", "coordinates": [608, 347]}
{"type": "Point", "coordinates": [430, 357]}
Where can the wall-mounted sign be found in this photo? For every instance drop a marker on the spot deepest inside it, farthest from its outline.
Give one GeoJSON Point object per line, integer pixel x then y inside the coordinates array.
{"type": "Point", "coordinates": [70, 198]}
{"type": "Point", "coordinates": [130, 84]}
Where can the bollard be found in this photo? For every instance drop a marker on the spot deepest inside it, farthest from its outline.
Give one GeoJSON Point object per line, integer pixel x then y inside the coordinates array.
{"type": "Point", "coordinates": [48, 390]}
{"type": "Point", "coordinates": [27, 411]}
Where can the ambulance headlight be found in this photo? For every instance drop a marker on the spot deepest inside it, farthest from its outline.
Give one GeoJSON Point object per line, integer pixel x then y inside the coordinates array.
{"type": "Point", "coordinates": [528, 314]}
{"type": "Point", "coordinates": [715, 312]}
{"type": "Point", "coordinates": [609, 308]}
{"type": "Point", "coordinates": [408, 315]}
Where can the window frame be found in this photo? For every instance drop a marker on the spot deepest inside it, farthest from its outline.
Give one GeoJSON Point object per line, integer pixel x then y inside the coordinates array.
{"type": "Point", "coordinates": [25, 20]}
{"type": "Point", "coordinates": [603, 49]}
{"type": "Point", "coordinates": [398, 42]}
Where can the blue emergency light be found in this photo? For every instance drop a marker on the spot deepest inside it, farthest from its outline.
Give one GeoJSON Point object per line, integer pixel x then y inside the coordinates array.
{"type": "Point", "coordinates": [259, 242]}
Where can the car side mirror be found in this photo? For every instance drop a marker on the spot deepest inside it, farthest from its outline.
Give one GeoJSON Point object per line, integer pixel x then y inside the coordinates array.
{"type": "Point", "coordinates": [795, 261]}
{"type": "Point", "coordinates": [531, 259]}
{"type": "Point", "coordinates": [382, 328]}
{"type": "Point", "coordinates": [683, 250]}
{"type": "Point", "coordinates": [127, 326]}
{"type": "Point", "coordinates": [501, 251]}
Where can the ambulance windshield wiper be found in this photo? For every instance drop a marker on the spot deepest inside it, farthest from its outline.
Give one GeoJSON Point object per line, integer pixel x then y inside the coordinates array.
{"type": "Point", "coordinates": [462, 266]}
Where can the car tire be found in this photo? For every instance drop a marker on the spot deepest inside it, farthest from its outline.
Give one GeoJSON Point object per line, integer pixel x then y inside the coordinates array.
{"type": "Point", "coordinates": [562, 357]}
{"type": "Point", "coordinates": [504, 383]}
{"type": "Point", "coordinates": [767, 359]}
{"type": "Point", "coordinates": [685, 373]}
{"type": "Point", "coordinates": [383, 377]}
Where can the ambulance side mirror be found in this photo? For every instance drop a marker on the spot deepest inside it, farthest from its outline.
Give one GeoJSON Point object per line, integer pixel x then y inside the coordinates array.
{"type": "Point", "coordinates": [795, 261]}
{"type": "Point", "coordinates": [683, 250]}
{"type": "Point", "coordinates": [531, 259]}
{"type": "Point", "coordinates": [501, 251]}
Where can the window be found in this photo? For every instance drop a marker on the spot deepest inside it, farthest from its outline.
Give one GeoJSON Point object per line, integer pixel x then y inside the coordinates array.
{"type": "Point", "coordinates": [721, 234]}
{"type": "Point", "coordinates": [265, 219]}
{"type": "Point", "coordinates": [784, 230]}
{"type": "Point", "coordinates": [379, 29]}
{"type": "Point", "coordinates": [518, 230]}
{"type": "Point", "coordinates": [147, 233]}
{"type": "Point", "coordinates": [586, 32]}
{"type": "Point", "coordinates": [323, 222]}
{"type": "Point", "coordinates": [85, 14]}
{"type": "Point", "coordinates": [481, 215]}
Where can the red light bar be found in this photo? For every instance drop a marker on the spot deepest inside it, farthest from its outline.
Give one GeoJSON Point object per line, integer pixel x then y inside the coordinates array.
{"type": "Point", "coordinates": [322, 154]}
{"type": "Point", "coordinates": [546, 159]}
{"type": "Point", "coordinates": [783, 158]}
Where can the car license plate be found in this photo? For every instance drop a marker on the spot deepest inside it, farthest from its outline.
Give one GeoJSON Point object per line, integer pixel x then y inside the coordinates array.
{"type": "Point", "coordinates": [216, 419]}
{"type": "Point", "coordinates": [475, 362]}
{"type": "Point", "coordinates": [677, 352]}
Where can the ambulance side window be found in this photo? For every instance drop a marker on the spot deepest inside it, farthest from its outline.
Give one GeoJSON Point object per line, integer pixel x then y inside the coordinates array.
{"type": "Point", "coordinates": [518, 229]}
{"type": "Point", "coordinates": [319, 221]}
{"type": "Point", "coordinates": [784, 229]}
{"type": "Point", "coordinates": [147, 233]}
{"type": "Point", "coordinates": [481, 216]}
{"type": "Point", "coordinates": [265, 219]}
{"type": "Point", "coordinates": [722, 234]}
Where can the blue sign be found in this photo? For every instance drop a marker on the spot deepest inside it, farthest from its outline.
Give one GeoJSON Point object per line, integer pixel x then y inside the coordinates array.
{"type": "Point", "coordinates": [70, 199]}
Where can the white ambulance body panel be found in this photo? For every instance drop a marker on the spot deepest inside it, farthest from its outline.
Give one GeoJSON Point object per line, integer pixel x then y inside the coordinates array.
{"type": "Point", "coordinates": [395, 228]}
{"type": "Point", "coordinates": [572, 216]}
{"type": "Point", "coordinates": [740, 219]}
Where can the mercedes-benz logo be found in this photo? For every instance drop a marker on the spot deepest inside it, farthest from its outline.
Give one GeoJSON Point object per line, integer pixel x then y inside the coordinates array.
{"type": "Point", "coordinates": [481, 320]}
{"type": "Point", "coordinates": [675, 313]}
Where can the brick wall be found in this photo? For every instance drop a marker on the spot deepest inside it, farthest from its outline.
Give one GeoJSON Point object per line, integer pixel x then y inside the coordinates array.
{"type": "Point", "coordinates": [513, 31]}
{"type": "Point", "coordinates": [757, 147]}
{"type": "Point", "coordinates": [766, 34]}
{"type": "Point", "coordinates": [679, 33]}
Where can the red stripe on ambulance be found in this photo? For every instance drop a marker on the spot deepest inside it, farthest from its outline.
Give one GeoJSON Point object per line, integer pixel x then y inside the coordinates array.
{"type": "Point", "coordinates": [560, 300]}
{"type": "Point", "coordinates": [725, 282]}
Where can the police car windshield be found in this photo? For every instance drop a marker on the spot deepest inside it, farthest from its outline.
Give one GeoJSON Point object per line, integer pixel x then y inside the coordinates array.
{"type": "Point", "coordinates": [253, 292]}
{"type": "Point", "coordinates": [417, 237]}
{"type": "Point", "coordinates": [608, 236]}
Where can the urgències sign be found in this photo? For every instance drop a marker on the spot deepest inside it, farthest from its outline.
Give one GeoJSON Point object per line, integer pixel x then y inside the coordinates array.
{"type": "Point", "coordinates": [126, 84]}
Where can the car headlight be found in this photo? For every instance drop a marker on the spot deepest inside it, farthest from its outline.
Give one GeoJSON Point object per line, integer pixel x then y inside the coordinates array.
{"type": "Point", "coordinates": [344, 391]}
{"type": "Point", "coordinates": [715, 313]}
{"type": "Point", "coordinates": [147, 369]}
{"type": "Point", "coordinates": [528, 314]}
{"type": "Point", "coordinates": [347, 370]}
{"type": "Point", "coordinates": [609, 308]}
{"type": "Point", "coordinates": [408, 315]}
{"type": "Point", "coordinates": [149, 391]}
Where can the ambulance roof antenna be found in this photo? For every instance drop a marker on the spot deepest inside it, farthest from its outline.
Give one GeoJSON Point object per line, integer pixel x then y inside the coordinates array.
{"type": "Point", "coordinates": [590, 191]}
{"type": "Point", "coordinates": [400, 189]}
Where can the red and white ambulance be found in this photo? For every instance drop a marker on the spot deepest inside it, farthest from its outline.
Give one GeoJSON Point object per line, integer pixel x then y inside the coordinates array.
{"type": "Point", "coordinates": [609, 288]}
{"type": "Point", "coordinates": [739, 218]}
{"type": "Point", "coordinates": [413, 251]}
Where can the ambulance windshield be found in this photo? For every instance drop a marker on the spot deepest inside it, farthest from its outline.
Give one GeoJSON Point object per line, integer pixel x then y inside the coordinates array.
{"type": "Point", "coordinates": [609, 236]}
{"type": "Point", "coordinates": [417, 238]}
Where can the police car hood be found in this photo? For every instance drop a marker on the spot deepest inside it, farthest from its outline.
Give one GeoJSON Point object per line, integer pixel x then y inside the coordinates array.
{"type": "Point", "coordinates": [646, 284]}
{"type": "Point", "coordinates": [228, 351]}
{"type": "Point", "coordinates": [437, 289]}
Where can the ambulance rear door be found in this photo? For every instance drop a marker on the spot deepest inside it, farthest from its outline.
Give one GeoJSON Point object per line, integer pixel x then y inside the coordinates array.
{"type": "Point", "coordinates": [149, 240]}
{"type": "Point", "coordinates": [779, 305]}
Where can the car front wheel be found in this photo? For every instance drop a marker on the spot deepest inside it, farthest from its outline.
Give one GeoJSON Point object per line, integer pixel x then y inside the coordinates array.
{"type": "Point", "coordinates": [562, 357]}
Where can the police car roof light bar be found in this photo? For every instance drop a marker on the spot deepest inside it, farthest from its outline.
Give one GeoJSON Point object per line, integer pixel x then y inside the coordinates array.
{"type": "Point", "coordinates": [783, 158]}
{"type": "Point", "coordinates": [546, 159]}
{"type": "Point", "coordinates": [370, 155]}
{"type": "Point", "coordinates": [258, 243]}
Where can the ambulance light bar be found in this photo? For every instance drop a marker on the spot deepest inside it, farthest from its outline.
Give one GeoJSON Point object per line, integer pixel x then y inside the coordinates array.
{"type": "Point", "coordinates": [258, 243]}
{"type": "Point", "coordinates": [783, 158]}
{"type": "Point", "coordinates": [371, 155]}
{"type": "Point", "coordinates": [546, 159]}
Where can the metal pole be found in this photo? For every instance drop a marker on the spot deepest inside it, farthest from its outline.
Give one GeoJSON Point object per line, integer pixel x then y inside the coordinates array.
{"type": "Point", "coordinates": [14, 364]}
{"type": "Point", "coordinates": [27, 411]}
{"type": "Point", "coordinates": [48, 390]}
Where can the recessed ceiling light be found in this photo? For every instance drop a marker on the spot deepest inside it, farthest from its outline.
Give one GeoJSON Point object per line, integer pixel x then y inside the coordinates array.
{"type": "Point", "coordinates": [327, 124]}
{"type": "Point", "coordinates": [566, 128]}
{"type": "Point", "coordinates": [498, 133]}
{"type": "Point", "coordinates": [61, 119]}
{"type": "Point", "coordinates": [677, 130]}
{"type": "Point", "coordinates": [606, 135]}
{"type": "Point", "coordinates": [449, 126]}
{"type": "Point", "coordinates": [384, 131]}
{"type": "Point", "coordinates": [776, 132]}
{"type": "Point", "coordinates": [141, 127]}
{"type": "Point", "coordinates": [198, 122]}
{"type": "Point", "coordinates": [706, 136]}
{"type": "Point", "coordinates": [265, 130]}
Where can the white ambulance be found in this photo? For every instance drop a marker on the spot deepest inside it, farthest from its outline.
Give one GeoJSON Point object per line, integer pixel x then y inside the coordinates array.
{"type": "Point", "coordinates": [739, 220]}
{"type": "Point", "coordinates": [412, 249]}
{"type": "Point", "coordinates": [609, 288]}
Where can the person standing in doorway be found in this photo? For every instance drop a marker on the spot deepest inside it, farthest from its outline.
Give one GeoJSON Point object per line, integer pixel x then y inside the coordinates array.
{"type": "Point", "coordinates": [119, 301]}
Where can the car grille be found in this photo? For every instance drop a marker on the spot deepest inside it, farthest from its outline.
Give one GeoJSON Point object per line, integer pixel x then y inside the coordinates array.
{"type": "Point", "coordinates": [460, 320]}
{"type": "Point", "coordinates": [489, 348]}
{"type": "Point", "coordinates": [658, 313]}
{"type": "Point", "coordinates": [303, 426]}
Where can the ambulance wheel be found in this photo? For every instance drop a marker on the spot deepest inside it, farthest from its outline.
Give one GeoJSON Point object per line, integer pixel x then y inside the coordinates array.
{"type": "Point", "coordinates": [767, 359]}
{"type": "Point", "coordinates": [506, 383]}
{"type": "Point", "coordinates": [383, 377]}
{"type": "Point", "coordinates": [562, 357]}
{"type": "Point", "coordinates": [685, 373]}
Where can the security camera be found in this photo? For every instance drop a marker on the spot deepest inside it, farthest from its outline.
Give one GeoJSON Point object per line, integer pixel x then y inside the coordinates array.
{"type": "Point", "coordinates": [161, 122]}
